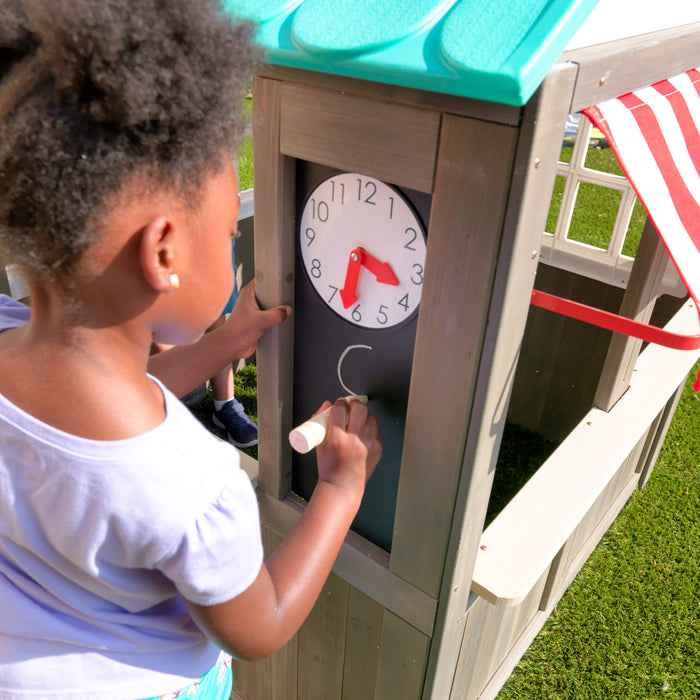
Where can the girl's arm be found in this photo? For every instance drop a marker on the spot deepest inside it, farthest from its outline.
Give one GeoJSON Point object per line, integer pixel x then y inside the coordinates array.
{"type": "Point", "coordinates": [185, 367]}
{"type": "Point", "coordinates": [266, 616]}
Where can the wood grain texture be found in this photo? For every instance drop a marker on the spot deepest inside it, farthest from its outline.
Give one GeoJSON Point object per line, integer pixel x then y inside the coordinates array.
{"type": "Point", "coordinates": [362, 644]}
{"type": "Point", "coordinates": [392, 142]}
{"type": "Point", "coordinates": [473, 175]}
{"type": "Point", "coordinates": [559, 499]}
{"type": "Point", "coordinates": [531, 182]}
{"type": "Point", "coordinates": [638, 303]}
{"type": "Point", "coordinates": [616, 68]}
{"type": "Point", "coordinates": [402, 660]}
{"type": "Point", "coordinates": [477, 109]}
{"type": "Point", "coordinates": [363, 565]}
{"type": "Point", "coordinates": [322, 644]}
{"type": "Point", "coordinates": [274, 285]}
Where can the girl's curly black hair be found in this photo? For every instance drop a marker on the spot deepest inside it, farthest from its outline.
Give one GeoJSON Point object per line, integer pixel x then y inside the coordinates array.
{"type": "Point", "coordinates": [93, 91]}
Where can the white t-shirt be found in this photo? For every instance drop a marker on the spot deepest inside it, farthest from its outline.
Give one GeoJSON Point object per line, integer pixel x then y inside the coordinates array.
{"type": "Point", "coordinates": [100, 541]}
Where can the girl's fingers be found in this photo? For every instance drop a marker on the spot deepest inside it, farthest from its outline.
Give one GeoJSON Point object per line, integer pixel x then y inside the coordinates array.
{"type": "Point", "coordinates": [338, 415]}
{"type": "Point", "coordinates": [324, 406]}
{"type": "Point", "coordinates": [358, 416]}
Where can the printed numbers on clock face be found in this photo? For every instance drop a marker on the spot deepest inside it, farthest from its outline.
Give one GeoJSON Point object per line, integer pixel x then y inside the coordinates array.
{"type": "Point", "coordinates": [363, 249]}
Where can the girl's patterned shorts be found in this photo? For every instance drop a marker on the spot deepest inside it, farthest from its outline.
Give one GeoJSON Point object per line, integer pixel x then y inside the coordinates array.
{"type": "Point", "coordinates": [213, 685]}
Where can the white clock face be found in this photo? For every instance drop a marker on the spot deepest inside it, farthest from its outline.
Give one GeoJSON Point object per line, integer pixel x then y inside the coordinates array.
{"type": "Point", "coordinates": [363, 249]}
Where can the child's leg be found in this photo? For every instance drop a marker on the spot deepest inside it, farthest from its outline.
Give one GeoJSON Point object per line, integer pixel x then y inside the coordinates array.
{"type": "Point", "coordinates": [228, 412]}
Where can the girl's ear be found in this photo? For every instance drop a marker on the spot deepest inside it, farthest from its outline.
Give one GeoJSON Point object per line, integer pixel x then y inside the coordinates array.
{"type": "Point", "coordinates": [157, 255]}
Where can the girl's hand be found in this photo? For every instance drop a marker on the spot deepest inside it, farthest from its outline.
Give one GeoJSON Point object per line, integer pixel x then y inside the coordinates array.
{"type": "Point", "coordinates": [247, 322]}
{"type": "Point", "coordinates": [352, 447]}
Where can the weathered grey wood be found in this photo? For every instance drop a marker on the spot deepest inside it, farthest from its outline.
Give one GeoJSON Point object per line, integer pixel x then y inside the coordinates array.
{"type": "Point", "coordinates": [538, 357]}
{"type": "Point", "coordinates": [530, 185]}
{"type": "Point", "coordinates": [615, 68]}
{"type": "Point", "coordinates": [402, 660]}
{"type": "Point", "coordinates": [489, 634]}
{"type": "Point", "coordinates": [274, 284]}
{"type": "Point", "coordinates": [359, 134]}
{"type": "Point", "coordinates": [468, 208]}
{"type": "Point", "coordinates": [557, 498]}
{"type": "Point", "coordinates": [477, 109]}
{"type": "Point", "coordinates": [581, 354]}
{"type": "Point", "coordinates": [363, 640]}
{"type": "Point", "coordinates": [647, 465]}
{"type": "Point", "coordinates": [363, 565]}
{"type": "Point", "coordinates": [638, 303]}
{"type": "Point", "coordinates": [322, 644]}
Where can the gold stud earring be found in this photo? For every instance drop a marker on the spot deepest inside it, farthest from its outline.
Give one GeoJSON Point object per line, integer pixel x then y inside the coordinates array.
{"type": "Point", "coordinates": [175, 281]}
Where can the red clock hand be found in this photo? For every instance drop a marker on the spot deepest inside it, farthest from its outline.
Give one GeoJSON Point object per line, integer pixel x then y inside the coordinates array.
{"type": "Point", "coordinates": [381, 270]}
{"type": "Point", "coordinates": [347, 293]}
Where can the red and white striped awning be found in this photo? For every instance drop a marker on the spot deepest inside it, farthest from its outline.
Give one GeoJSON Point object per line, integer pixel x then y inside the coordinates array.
{"type": "Point", "coordinates": [655, 134]}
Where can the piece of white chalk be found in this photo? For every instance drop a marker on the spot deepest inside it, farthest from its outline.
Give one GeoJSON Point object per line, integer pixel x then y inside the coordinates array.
{"type": "Point", "coordinates": [311, 433]}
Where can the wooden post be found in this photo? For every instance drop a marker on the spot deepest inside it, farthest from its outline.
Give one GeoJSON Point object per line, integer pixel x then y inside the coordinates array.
{"type": "Point", "coordinates": [638, 303]}
{"type": "Point", "coordinates": [274, 285]}
{"type": "Point", "coordinates": [532, 179]}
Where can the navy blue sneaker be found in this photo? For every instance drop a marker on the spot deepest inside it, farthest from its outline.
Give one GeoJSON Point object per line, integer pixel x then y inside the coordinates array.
{"type": "Point", "coordinates": [240, 430]}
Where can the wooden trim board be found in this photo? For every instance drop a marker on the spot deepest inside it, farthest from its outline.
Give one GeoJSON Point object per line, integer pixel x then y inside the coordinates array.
{"type": "Point", "coordinates": [274, 285]}
{"type": "Point", "coordinates": [615, 68]}
{"type": "Point", "coordinates": [392, 142]}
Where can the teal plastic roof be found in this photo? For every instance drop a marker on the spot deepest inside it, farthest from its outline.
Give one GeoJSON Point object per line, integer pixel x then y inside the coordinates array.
{"type": "Point", "coordinates": [496, 50]}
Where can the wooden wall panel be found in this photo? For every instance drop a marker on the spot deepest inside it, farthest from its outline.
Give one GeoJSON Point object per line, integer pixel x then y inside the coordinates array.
{"type": "Point", "coordinates": [561, 359]}
{"type": "Point", "coordinates": [363, 639]}
{"type": "Point", "coordinates": [322, 644]}
{"type": "Point", "coordinates": [538, 357]}
{"type": "Point", "coordinates": [397, 94]}
{"type": "Point", "coordinates": [473, 174]}
{"type": "Point", "coordinates": [393, 142]}
{"type": "Point", "coordinates": [403, 656]}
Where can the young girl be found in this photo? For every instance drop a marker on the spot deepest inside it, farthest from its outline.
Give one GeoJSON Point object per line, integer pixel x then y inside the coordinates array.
{"type": "Point", "coordinates": [130, 548]}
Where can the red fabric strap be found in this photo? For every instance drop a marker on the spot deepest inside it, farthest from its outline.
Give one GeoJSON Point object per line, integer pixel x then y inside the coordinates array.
{"type": "Point", "coordinates": [613, 322]}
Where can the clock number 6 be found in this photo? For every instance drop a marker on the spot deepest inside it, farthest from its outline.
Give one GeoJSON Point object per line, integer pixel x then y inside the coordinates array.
{"type": "Point", "coordinates": [356, 315]}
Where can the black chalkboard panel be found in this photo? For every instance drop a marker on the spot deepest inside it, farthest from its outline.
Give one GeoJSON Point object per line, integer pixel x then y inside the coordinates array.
{"type": "Point", "coordinates": [321, 339]}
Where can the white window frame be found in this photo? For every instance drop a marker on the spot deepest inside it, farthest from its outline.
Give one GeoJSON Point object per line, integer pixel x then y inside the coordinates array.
{"type": "Point", "coordinates": [609, 266]}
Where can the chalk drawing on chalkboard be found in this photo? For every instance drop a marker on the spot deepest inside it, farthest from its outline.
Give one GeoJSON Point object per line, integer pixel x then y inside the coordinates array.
{"type": "Point", "coordinates": [340, 364]}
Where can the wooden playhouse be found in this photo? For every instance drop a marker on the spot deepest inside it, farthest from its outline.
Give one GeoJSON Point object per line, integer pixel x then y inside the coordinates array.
{"type": "Point", "coordinates": [455, 115]}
